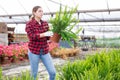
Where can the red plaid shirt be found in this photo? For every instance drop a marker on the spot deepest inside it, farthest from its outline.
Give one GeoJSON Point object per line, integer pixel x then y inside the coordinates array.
{"type": "Point", "coordinates": [33, 29]}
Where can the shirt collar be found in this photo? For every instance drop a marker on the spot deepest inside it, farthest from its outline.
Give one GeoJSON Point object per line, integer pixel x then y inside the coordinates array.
{"type": "Point", "coordinates": [34, 21]}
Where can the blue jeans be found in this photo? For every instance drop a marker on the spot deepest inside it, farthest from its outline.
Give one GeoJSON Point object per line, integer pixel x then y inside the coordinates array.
{"type": "Point", "coordinates": [47, 61]}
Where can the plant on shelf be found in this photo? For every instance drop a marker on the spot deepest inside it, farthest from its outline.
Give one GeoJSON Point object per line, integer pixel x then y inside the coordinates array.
{"type": "Point", "coordinates": [62, 25]}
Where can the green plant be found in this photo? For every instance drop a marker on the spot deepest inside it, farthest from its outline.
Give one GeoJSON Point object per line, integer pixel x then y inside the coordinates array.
{"type": "Point", "coordinates": [0, 73]}
{"type": "Point", "coordinates": [103, 66]}
{"type": "Point", "coordinates": [64, 22]}
{"type": "Point", "coordinates": [24, 76]}
{"type": "Point", "coordinates": [108, 42]}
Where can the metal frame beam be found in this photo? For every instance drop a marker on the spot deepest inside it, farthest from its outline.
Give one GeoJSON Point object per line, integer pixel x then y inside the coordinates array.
{"type": "Point", "coordinates": [79, 11]}
{"type": "Point", "coordinates": [89, 20]}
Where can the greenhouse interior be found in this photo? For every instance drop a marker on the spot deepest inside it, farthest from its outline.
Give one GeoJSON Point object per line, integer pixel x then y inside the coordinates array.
{"type": "Point", "coordinates": [81, 36]}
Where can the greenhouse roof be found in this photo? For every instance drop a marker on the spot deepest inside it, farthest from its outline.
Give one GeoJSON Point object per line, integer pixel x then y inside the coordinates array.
{"type": "Point", "coordinates": [19, 11]}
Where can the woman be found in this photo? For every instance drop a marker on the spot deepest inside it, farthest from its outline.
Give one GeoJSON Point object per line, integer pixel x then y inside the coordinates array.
{"type": "Point", "coordinates": [38, 34]}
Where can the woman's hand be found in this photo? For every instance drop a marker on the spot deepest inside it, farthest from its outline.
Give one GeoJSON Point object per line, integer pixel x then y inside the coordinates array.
{"type": "Point", "coordinates": [48, 33]}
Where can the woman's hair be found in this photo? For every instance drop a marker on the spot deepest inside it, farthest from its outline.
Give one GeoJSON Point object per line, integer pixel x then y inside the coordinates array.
{"type": "Point", "coordinates": [35, 8]}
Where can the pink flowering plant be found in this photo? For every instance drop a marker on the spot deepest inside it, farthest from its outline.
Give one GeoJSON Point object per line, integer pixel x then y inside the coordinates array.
{"type": "Point", "coordinates": [1, 53]}
{"type": "Point", "coordinates": [52, 45]}
{"type": "Point", "coordinates": [1, 50]}
{"type": "Point", "coordinates": [15, 51]}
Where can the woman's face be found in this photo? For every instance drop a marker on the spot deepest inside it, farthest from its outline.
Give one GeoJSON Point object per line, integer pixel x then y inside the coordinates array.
{"type": "Point", "coordinates": [39, 13]}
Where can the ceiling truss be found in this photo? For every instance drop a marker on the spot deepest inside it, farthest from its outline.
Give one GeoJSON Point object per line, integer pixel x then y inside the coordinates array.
{"type": "Point", "coordinates": [78, 13]}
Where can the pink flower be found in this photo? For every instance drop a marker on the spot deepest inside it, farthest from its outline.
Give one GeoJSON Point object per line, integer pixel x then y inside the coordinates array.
{"type": "Point", "coordinates": [52, 45]}
{"type": "Point", "coordinates": [1, 49]}
{"type": "Point", "coordinates": [14, 50]}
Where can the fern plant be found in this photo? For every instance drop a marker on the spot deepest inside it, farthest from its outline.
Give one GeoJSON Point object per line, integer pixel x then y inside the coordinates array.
{"type": "Point", "coordinates": [61, 24]}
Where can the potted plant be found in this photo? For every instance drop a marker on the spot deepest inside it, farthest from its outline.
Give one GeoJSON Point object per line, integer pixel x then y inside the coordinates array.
{"type": "Point", "coordinates": [62, 27]}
